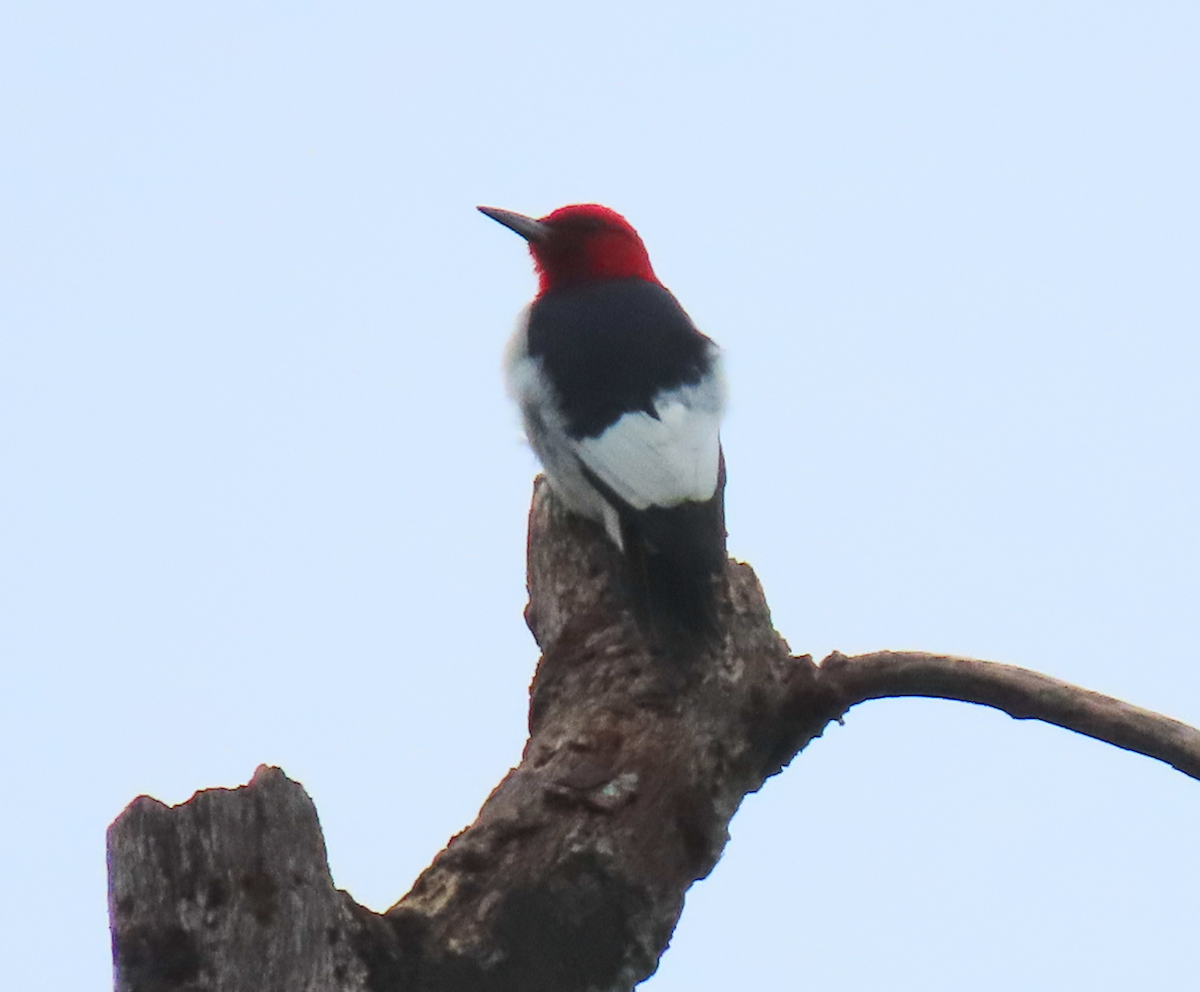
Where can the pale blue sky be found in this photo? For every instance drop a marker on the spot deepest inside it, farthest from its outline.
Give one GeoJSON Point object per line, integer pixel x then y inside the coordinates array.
{"type": "Point", "coordinates": [262, 497]}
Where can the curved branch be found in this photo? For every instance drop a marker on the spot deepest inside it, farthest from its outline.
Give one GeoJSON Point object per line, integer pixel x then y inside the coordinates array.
{"type": "Point", "coordinates": [1022, 694]}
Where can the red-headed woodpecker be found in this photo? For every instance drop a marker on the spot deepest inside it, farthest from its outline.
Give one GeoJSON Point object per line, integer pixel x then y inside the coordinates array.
{"type": "Point", "coordinates": [622, 397]}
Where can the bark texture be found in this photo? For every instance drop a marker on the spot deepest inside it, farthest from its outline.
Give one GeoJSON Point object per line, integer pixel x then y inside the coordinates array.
{"type": "Point", "coordinates": [230, 891]}
{"type": "Point", "coordinates": [573, 876]}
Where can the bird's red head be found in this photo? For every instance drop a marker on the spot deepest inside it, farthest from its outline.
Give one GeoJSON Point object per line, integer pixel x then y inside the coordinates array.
{"type": "Point", "coordinates": [579, 244]}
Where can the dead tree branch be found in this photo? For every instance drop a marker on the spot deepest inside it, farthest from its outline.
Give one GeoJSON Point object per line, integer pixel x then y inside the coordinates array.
{"type": "Point", "coordinates": [1022, 694]}
{"type": "Point", "coordinates": [573, 876]}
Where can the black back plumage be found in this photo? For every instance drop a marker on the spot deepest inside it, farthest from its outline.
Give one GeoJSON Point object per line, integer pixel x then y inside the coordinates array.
{"type": "Point", "coordinates": [609, 348]}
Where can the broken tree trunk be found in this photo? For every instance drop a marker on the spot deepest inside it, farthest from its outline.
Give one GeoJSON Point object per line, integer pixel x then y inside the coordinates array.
{"type": "Point", "coordinates": [573, 876]}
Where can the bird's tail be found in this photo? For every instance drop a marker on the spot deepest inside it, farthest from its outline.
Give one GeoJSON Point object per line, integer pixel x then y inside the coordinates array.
{"type": "Point", "coordinates": [676, 561]}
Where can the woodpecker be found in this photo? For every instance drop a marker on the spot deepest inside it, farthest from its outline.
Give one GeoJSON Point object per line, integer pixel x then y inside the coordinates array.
{"type": "Point", "coordinates": [621, 398]}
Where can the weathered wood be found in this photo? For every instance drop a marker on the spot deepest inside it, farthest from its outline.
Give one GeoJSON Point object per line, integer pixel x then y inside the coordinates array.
{"type": "Point", "coordinates": [573, 876]}
{"type": "Point", "coordinates": [230, 890]}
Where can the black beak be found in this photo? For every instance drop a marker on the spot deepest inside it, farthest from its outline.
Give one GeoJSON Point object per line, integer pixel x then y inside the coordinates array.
{"type": "Point", "coordinates": [527, 227]}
